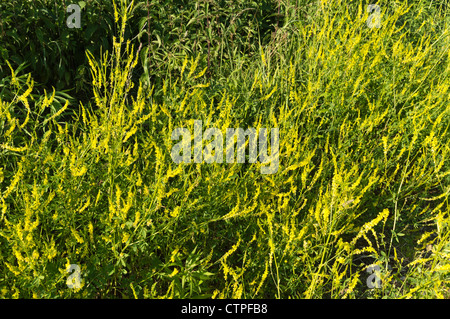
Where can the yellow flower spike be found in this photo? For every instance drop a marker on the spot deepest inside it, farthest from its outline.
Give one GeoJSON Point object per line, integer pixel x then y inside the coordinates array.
{"type": "Point", "coordinates": [193, 65]}
{"type": "Point", "coordinates": [12, 124]}
{"type": "Point", "coordinates": [265, 98]}
{"type": "Point", "coordinates": [14, 80]}
{"type": "Point", "coordinates": [130, 133]}
{"type": "Point", "coordinates": [174, 253]}
{"type": "Point", "coordinates": [175, 212]}
{"type": "Point", "coordinates": [14, 149]}
{"type": "Point", "coordinates": [14, 181]}
{"type": "Point", "coordinates": [25, 102]}
{"type": "Point", "coordinates": [35, 255]}
{"type": "Point", "coordinates": [77, 236]}
{"type": "Point", "coordinates": [369, 225]}
{"type": "Point", "coordinates": [215, 293]}
{"type": "Point", "coordinates": [125, 237]}
{"type": "Point", "coordinates": [201, 74]}
{"type": "Point", "coordinates": [351, 286]}
{"type": "Point", "coordinates": [91, 231]}
{"type": "Point", "coordinates": [134, 291]}
{"type": "Point", "coordinates": [184, 65]}
{"type": "Point", "coordinates": [116, 12]}
{"type": "Point", "coordinates": [174, 272]}
{"type": "Point", "coordinates": [57, 113]}
{"type": "Point", "coordinates": [139, 180]}
{"type": "Point", "coordinates": [136, 219]}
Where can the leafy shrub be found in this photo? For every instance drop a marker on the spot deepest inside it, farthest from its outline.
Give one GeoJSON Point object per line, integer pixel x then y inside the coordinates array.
{"type": "Point", "coordinates": [36, 34]}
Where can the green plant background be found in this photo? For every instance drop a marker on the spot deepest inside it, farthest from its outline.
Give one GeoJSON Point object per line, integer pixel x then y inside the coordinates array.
{"type": "Point", "coordinates": [86, 175]}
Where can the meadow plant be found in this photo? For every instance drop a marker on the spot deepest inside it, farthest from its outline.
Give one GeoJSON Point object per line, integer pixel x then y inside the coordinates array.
{"type": "Point", "coordinates": [362, 179]}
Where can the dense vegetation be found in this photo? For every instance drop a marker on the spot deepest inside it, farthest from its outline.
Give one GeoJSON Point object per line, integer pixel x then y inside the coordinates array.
{"type": "Point", "coordinates": [87, 178]}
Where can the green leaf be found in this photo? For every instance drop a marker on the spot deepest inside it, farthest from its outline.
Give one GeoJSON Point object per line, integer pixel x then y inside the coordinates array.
{"type": "Point", "coordinates": [40, 35]}
{"type": "Point", "coordinates": [90, 30]}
